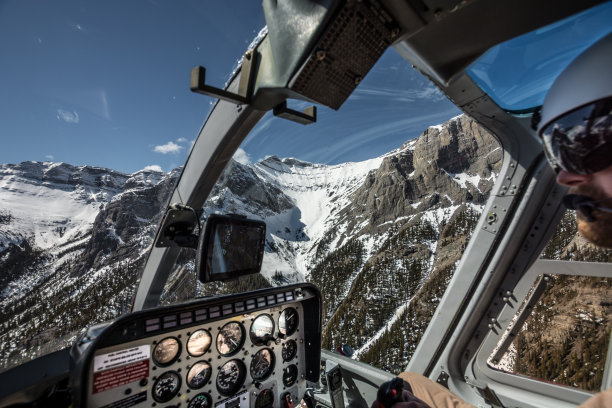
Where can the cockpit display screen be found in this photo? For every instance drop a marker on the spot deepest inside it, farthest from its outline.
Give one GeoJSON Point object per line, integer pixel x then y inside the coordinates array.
{"type": "Point", "coordinates": [230, 246]}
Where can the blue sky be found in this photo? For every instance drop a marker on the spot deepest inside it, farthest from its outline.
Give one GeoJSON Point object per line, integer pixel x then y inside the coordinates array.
{"type": "Point", "coordinates": [107, 84]}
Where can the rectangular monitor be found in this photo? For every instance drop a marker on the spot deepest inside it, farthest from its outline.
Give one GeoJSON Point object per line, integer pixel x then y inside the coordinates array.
{"type": "Point", "coordinates": [230, 246]}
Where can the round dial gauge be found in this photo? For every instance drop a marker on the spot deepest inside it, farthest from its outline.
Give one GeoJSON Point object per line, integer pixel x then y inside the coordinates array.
{"type": "Point", "coordinates": [231, 377]}
{"type": "Point", "coordinates": [166, 386]}
{"type": "Point", "coordinates": [265, 399]}
{"type": "Point", "coordinates": [199, 342]}
{"type": "Point", "coordinates": [262, 364]}
{"type": "Point", "coordinates": [166, 351]}
{"type": "Point", "coordinates": [289, 350]}
{"type": "Point", "coordinates": [230, 338]}
{"type": "Point", "coordinates": [290, 374]}
{"type": "Point", "coordinates": [199, 374]}
{"type": "Point", "coordinates": [288, 321]}
{"type": "Point", "coordinates": [202, 400]}
{"type": "Point", "coordinates": [262, 329]}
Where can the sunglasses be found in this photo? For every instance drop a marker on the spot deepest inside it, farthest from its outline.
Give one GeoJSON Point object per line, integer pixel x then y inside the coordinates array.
{"type": "Point", "coordinates": [580, 141]}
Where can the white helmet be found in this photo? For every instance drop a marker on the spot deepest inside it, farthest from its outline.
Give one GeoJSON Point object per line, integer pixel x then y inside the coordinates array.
{"type": "Point", "coordinates": [576, 118]}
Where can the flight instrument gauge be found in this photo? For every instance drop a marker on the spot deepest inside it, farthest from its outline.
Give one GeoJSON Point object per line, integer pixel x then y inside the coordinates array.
{"type": "Point", "coordinates": [289, 350]}
{"type": "Point", "coordinates": [231, 377]}
{"type": "Point", "coordinates": [202, 400]}
{"type": "Point", "coordinates": [288, 321]}
{"type": "Point", "coordinates": [166, 386]}
{"type": "Point", "coordinates": [166, 351]}
{"type": "Point", "coordinates": [265, 399]}
{"type": "Point", "coordinates": [199, 342]}
{"type": "Point", "coordinates": [262, 329]}
{"type": "Point", "coordinates": [230, 339]}
{"type": "Point", "coordinates": [290, 375]}
{"type": "Point", "coordinates": [262, 364]}
{"type": "Point", "coordinates": [199, 374]}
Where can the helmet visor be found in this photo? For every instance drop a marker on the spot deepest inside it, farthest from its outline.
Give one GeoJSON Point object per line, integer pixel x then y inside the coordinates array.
{"type": "Point", "coordinates": [580, 141]}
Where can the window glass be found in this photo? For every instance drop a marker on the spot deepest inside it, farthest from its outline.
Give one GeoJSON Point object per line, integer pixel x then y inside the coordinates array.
{"type": "Point", "coordinates": [517, 73]}
{"type": "Point", "coordinates": [565, 337]}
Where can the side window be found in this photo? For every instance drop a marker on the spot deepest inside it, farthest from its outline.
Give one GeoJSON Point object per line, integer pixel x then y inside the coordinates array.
{"type": "Point", "coordinates": [566, 326]}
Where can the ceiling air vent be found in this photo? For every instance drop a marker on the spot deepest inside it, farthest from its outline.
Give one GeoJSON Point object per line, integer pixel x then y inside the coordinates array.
{"type": "Point", "coordinates": [355, 39]}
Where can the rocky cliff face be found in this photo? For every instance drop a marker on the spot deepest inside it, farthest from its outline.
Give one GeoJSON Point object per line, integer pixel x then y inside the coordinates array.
{"type": "Point", "coordinates": [447, 165]}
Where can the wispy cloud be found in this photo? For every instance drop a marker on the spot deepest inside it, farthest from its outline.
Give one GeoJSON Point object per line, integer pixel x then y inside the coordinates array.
{"type": "Point", "coordinates": [78, 27]}
{"type": "Point", "coordinates": [104, 101]}
{"type": "Point", "coordinates": [242, 157]}
{"type": "Point", "coordinates": [68, 116]}
{"type": "Point", "coordinates": [49, 156]}
{"type": "Point", "coordinates": [430, 92]}
{"type": "Point", "coordinates": [154, 167]}
{"type": "Point", "coordinates": [169, 147]}
{"type": "Point", "coordinates": [182, 140]}
{"type": "Point", "coordinates": [362, 138]}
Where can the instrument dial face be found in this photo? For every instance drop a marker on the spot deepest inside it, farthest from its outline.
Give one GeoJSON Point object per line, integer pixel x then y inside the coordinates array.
{"type": "Point", "coordinates": [289, 350]}
{"type": "Point", "coordinates": [230, 339]}
{"type": "Point", "coordinates": [262, 329]}
{"type": "Point", "coordinates": [199, 342]}
{"type": "Point", "coordinates": [262, 364]}
{"type": "Point", "coordinates": [231, 377]}
{"type": "Point", "coordinates": [202, 400]}
{"type": "Point", "coordinates": [265, 399]}
{"type": "Point", "coordinates": [288, 321]}
{"type": "Point", "coordinates": [166, 386]}
{"type": "Point", "coordinates": [166, 351]}
{"type": "Point", "coordinates": [199, 374]}
{"type": "Point", "coordinates": [290, 374]}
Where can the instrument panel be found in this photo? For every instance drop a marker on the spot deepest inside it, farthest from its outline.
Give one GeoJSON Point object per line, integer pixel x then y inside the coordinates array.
{"type": "Point", "coordinates": [249, 350]}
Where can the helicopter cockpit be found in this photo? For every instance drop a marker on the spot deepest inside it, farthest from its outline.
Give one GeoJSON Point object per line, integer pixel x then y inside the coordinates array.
{"type": "Point", "coordinates": [186, 344]}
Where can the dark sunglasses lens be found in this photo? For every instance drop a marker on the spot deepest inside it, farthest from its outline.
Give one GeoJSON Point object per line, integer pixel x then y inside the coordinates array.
{"type": "Point", "coordinates": [581, 141]}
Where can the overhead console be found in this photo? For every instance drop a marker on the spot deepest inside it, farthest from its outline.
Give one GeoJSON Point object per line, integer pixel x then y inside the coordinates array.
{"type": "Point", "coordinates": [251, 350]}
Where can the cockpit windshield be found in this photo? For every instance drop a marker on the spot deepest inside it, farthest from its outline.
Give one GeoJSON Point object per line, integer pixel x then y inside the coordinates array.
{"type": "Point", "coordinates": [517, 73]}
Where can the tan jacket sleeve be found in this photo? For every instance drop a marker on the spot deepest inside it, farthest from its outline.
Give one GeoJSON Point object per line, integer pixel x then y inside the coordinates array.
{"type": "Point", "coordinates": [432, 393]}
{"type": "Point", "coordinates": [600, 400]}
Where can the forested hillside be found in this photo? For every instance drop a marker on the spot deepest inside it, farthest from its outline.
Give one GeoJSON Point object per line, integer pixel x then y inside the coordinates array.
{"type": "Point", "coordinates": [566, 337]}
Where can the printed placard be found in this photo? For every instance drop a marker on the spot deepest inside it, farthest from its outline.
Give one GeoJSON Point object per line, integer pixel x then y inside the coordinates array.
{"type": "Point", "coordinates": [121, 357]}
{"type": "Point", "coordinates": [115, 377]}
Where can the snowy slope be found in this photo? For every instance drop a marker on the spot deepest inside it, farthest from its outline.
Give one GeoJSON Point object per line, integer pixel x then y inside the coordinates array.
{"type": "Point", "coordinates": [317, 190]}
{"type": "Point", "coordinates": [52, 204]}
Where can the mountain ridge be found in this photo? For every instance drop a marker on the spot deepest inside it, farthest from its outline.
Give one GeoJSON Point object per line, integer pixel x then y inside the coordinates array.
{"type": "Point", "coordinates": [350, 220]}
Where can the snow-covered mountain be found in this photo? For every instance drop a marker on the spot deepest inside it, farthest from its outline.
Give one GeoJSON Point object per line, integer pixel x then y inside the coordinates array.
{"type": "Point", "coordinates": [72, 239]}
{"type": "Point", "coordinates": [52, 207]}
{"type": "Point", "coordinates": [68, 238]}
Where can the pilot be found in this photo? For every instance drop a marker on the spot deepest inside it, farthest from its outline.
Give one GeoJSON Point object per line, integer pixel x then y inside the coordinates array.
{"type": "Point", "coordinates": [576, 132]}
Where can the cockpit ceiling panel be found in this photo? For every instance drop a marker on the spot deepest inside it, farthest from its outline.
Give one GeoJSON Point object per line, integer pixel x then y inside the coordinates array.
{"type": "Point", "coordinates": [358, 35]}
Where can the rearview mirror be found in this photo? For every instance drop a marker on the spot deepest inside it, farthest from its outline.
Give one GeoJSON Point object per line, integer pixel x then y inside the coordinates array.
{"type": "Point", "coordinates": [230, 246]}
